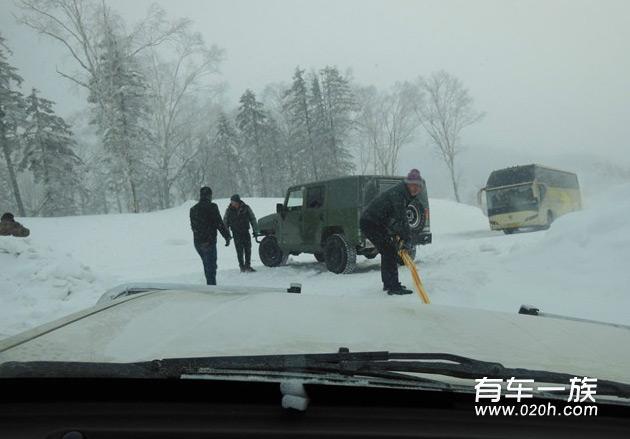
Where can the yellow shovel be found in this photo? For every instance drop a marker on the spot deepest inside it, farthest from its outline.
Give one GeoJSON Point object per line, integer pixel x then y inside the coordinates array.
{"type": "Point", "coordinates": [414, 274]}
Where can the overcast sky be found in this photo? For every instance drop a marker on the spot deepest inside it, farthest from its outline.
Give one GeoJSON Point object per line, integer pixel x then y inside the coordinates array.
{"type": "Point", "coordinates": [551, 75]}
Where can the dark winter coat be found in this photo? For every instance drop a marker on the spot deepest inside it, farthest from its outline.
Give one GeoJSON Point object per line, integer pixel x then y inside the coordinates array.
{"type": "Point", "coordinates": [389, 210]}
{"type": "Point", "coordinates": [13, 228]}
{"type": "Point", "coordinates": [205, 220]}
{"type": "Point", "coordinates": [239, 219]}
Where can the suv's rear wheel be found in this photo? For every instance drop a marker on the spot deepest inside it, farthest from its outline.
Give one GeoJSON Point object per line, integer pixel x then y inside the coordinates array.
{"type": "Point", "coordinates": [270, 252]}
{"type": "Point", "coordinates": [412, 253]}
{"type": "Point", "coordinates": [340, 256]}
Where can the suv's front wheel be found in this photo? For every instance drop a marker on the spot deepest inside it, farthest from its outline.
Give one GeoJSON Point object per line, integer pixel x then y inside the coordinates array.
{"type": "Point", "coordinates": [270, 252]}
{"type": "Point", "coordinates": [340, 256]}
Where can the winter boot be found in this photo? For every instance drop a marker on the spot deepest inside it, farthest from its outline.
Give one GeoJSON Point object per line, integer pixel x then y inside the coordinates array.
{"type": "Point", "coordinates": [399, 286]}
{"type": "Point", "coordinates": [398, 290]}
{"type": "Point", "coordinates": [243, 269]}
{"type": "Point", "coordinates": [250, 269]}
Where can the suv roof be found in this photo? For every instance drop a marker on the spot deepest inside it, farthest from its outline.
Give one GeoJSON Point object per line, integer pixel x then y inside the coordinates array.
{"type": "Point", "coordinates": [332, 180]}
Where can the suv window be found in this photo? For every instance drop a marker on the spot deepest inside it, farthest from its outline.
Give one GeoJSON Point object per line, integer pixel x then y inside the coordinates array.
{"type": "Point", "coordinates": [315, 197]}
{"type": "Point", "coordinates": [386, 185]}
{"type": "Point", "coordinates": [294, 202]}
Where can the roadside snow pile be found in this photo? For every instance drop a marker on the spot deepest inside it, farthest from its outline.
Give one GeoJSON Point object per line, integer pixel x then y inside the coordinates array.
{"type": "Point", "coordinates": [585, 255]}
{"type": "Point", "coordinates": [603, 230]}
{"type": "Point", "coordinates": [38, 284]}
{"type": "Point", "coordinates": [448, 217]}
{"type": "Point", "coordinates": [579, 267]}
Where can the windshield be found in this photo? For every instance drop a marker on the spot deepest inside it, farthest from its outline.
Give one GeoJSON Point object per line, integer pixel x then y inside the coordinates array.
{"type": "Point", "coordinates": [287, 177]}
{"type": "Point", "coordinates": [514, 199]}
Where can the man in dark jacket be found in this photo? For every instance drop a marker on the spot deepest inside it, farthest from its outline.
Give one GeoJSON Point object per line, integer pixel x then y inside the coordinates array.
{"type": "Point", "coordinates": [10, 227]}
{"type": "Point", "coordinates": [205, 220]}
{"type": "Point", "coordinates": [384, 220]}
{"type": "Point", "coordinates": [238, 217]}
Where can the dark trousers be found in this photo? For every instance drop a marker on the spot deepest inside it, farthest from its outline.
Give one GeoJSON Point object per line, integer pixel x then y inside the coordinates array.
{"type": "Point", "coordinates": [208, 254]}
{"type": "Point", "coordinates": [243, 246]}
{"type": "Point", "coordinates": [382, 241]}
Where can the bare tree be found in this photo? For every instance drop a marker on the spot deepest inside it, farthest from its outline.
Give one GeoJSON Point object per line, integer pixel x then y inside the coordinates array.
{"type": "Point", "coordinates": [399, 123]}
{"type": "Point", "coordinates": [106, 54]}
{"type": "Point", "coordinates": [175, 86]}
{"type": "Point", "coordinates": [77, 24]}
{"type": "Point", "coordinates": [386, 123]}
{"type": "Point", "coordinates": [369, 129]}
{"type": "Point", "coordinates": [445, 111]}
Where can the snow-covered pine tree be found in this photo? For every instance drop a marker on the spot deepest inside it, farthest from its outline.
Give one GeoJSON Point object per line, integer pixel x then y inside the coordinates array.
{"type": "Point", "coordinates": [227, 160]}
{"type": "Point", "coordinates": [11, 117]}
{"type": "Point", "coordinates": [251, 120]}
{"type": "Point", "coordinates": [296, 104]}
{"type": "Point", "coordinates": [278, 165]}
{"type": "Point", "coordinates": [120, 111]}
{"type": "Point", "coordinates": [293, 165]}
{"type": "Point", "coordinates": [49, 155]}
{"type": "Point", "coordinates": [320, 128]}
{"type": "Point", "coordinates": [339, 103]}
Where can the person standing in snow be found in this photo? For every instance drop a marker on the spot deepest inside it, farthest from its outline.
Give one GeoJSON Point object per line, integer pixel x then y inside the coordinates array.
{"type": "Point", "coordinates": [10, 227]}
{"type": "Point", "coordinates": [205, 220]}
{"type": "Point", "coordinates": [385, 220]}
{"type": "Point", "coordinates": [238, 217]}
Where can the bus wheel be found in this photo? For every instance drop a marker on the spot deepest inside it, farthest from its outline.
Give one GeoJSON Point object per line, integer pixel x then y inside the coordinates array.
{"type": "Point", "coordinates": [550, 219]}
{"type": "Point", "coordinates": [509, 231]}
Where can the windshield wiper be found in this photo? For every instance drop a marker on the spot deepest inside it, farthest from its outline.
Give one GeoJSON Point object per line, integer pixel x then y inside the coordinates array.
{"type": "Point", "coordinates": [379, 364]}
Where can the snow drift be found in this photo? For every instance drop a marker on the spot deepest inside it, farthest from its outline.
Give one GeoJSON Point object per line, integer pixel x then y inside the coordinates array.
{"type": "Point", "coordinates": [38, 284]}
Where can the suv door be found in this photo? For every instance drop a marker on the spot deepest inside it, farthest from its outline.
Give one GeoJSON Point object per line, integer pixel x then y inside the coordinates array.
{"type": "Point", "coordinates": [291, 224]}
{"type": "Point", "coordinates": [314, 217]}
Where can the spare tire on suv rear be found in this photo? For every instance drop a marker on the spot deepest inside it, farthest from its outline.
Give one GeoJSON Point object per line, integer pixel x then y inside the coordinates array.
{"type": "Point", "coordinates": [340, 255]}
{"type": "Point", "coordinates": [416, 216]}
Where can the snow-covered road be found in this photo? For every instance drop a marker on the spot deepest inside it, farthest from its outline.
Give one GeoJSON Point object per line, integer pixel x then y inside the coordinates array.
{"type": "Point", "coordinates": [579, 267]}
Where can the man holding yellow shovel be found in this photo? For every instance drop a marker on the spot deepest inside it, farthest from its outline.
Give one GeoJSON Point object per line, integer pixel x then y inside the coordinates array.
{"type": "Point", "coordinates": [384, 222]}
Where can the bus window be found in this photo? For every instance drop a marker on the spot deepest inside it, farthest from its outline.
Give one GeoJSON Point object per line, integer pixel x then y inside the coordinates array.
{"type": "Point", "coordinates": [512, 199]}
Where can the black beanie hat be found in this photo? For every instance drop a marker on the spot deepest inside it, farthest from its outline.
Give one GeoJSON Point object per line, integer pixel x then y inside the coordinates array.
{"type": "Point", "coordinates": [205, 192]}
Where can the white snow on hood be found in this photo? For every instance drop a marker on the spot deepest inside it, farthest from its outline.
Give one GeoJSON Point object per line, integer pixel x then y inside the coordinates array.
{"type": "Point", "coordinates": [190, 324]}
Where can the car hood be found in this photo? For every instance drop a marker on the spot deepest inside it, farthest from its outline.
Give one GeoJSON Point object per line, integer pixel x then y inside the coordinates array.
{"type": "Point", "coordinates": [268, 221]}
{"type": "Point", "coordinates": [217, 322]}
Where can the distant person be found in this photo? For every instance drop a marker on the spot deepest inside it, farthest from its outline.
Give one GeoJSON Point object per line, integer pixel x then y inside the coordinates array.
{"type": "Point", "coordinates": [238, 217]}
{"type": "Point", "coordinates": [205, 220]}
{"type": "Point", "coordinates": [383, 220]}
{"type": "Point", "coordinates": [10, 227]}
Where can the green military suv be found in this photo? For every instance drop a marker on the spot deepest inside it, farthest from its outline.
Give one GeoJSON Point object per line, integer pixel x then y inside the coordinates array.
{"type": "Point", "coordinates": [322, 218]}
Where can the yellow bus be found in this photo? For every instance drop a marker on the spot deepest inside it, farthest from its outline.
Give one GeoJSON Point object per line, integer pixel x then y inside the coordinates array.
{"type": "Point", "coordinates": [530, 197]}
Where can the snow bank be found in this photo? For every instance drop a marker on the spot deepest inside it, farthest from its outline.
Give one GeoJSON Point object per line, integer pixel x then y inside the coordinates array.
{"type": "Point", "coordinates": [584, 256]}
{"type": "Point", "coordinates": [578, 267]}
{"type": "Point", "coordinates": [450, 218]}
{"type": "Point", "coordinates": [38, 284]}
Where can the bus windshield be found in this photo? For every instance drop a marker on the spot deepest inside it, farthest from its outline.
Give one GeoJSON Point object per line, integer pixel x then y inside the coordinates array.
{"type": "Point", "coordinates": [512, 199]}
